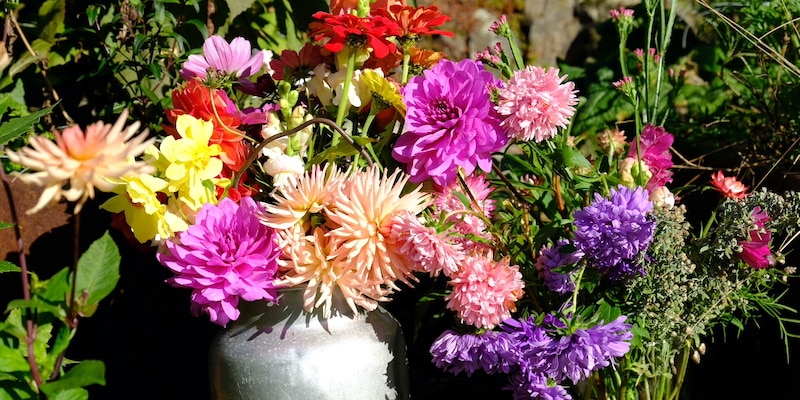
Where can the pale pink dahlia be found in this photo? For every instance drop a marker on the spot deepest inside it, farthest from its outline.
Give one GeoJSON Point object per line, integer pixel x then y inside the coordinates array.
{"type": "Point", "coordinates": [427, 249]}
{"type": "Point", "coordinates": [226, 255]}
{"type": "Point", "coordinates": [535, 104]}
{"type": "Point", "coordinates": [485, 291]}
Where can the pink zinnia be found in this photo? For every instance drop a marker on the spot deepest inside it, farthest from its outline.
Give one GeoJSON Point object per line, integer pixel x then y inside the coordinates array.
{"type": "Point", "coordinates": [536, 103]}
{"type": "Point", "coordinates": [427, 249]}
{"type": "Point", "coordinates": [755, 252]}
{"type": "Point", "coordinates": [226, 255]}
{"type": "Point", "coordinates": [485, 292]}
{"type": "Point", "coordinates": [655, 153]}
{"type": "Point", "coordinates": [223, 58]}
{"type": "Point", "coordinates": [729, 186]}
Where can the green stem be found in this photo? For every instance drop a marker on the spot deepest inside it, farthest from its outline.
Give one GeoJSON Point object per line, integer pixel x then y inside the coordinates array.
{"type": "Point", "coordinates": [665, 39]}
{"type": "Point", "coordinates": [344, 100]}
{"type": "Point", "coordinates": [516, 53]}
{"type": "Point", "coordinates": [406, 63]}
{"type": "Point", "coordinates": [676, 389]}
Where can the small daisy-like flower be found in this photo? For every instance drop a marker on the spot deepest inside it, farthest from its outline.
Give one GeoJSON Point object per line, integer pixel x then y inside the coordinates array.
{"type": "Point", "coordinates": [221, 59]}
{"type": "Point", "coordinates": [77, 162]}
{"type": "Point", "coordinates": [485, 292]}
{"type": "Point", "coordinates": [226, 255]}
{"type": "Point", "coordinates": [428, 250]}
{"type": "Point", "coordinates": [535, 104]}
{"type": "Point", "coordinates": [729, 186]}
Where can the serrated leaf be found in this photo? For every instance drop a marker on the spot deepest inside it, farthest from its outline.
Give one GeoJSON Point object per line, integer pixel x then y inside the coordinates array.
{"type": "Point", "coordinates": [18, 126]}
{"type": "Point", "coordinates": [89, 372]}
{"type": "Point", "coordinates": [56, 288]}
{"type": "Point", "coordinates": [6, 266]}
{"type": "Point", "coordinates": [12, 360]}
{"type": "Point", "coordinates": [98, 271]}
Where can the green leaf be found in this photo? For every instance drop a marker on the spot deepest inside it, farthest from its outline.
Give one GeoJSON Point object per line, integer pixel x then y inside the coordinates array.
{"type": "Point", "coordinates": [98, 272]}
{"type": "Point", "coordinates": [18, 126]}
{"type": "Point", "coordinates": [56, 288]}
{"type": "Point", "coordinates": [572, 157]}
{"type": "Point", "coordinates": [89, 372]}
{"type": "Point", "coordinates": [4, 225]}
{"type": "Point", "coordinates": [12, 360]}
{"type": "Point", "coordinates": [70, 394]}
{"type": "Point", "coordinates": [236, 7]}
{"type": "Point", "coordinates": [36, 304]}
{"type": "Point", "coordinates": [6, 266]}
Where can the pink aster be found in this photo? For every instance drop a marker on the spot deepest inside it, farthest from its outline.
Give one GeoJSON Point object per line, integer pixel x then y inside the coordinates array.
{"type": "Point", "coordinates": [225, 256]}
{"type": "Point", "coordinates": [536, 103]}
{"type": "Point", "coordinates": [466, 217]}
{"type": "Point", "coordinates": [755, 251]}
{"type": "Point", "coordinates": [220, 57]}
{"type": "Point", "coordinates": [429, 250]}
{"type": "Point", "coordinates": [485, 291]}
{"type": "Point", "coordinates": [729, 186]}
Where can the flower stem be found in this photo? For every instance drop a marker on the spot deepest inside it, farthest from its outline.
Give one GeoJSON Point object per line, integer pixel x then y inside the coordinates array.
{"type": "Point", "coordinates": [344, 100]}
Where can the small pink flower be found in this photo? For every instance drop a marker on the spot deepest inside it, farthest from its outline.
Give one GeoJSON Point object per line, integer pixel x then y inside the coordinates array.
{"type": "Point", "coordinates": [484, 291]}
{"type": "Point", "coordinates": [497, 25]}
{"type": "Point", "coordinates": [428, 250]}
{"type": "Point", "coordinates": [235, 58]}
{"type": "Point", "coordinates": [729, 186]}
{"type": "Point", "coordinates": [621, 13]}
{"type": "Point", "coordinates": [755, 252]}
{"type": "Point", "coordinates": [465, 221]}
{"type": "Point", "coordinates": [225, 256]}
{"type": "Point", "coordinates": [535, 104]}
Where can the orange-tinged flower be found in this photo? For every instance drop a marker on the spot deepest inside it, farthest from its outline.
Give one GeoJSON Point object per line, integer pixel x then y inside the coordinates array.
{"type": "Point", "coordinates": [729, 186]}
{"type": "Point", "coordinates": [77, 162]}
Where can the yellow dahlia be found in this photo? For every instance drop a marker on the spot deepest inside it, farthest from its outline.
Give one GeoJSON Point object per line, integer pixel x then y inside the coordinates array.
{"type": "Point", "coordinates": [77, 162]}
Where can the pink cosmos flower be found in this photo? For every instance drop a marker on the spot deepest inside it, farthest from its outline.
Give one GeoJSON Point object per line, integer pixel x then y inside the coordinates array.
{"type": "Point", "coordinates": [484, 291]}
{"type": "Point", "coordinates": [655, 153]}
{"type": "Point", "coordinates": [729, 186]}
{"type": "Point", "coordinates": [225, 256]}
{"type": "Point", "coordinates": [428, 250]}
{"type": "Point", "coordinates": [536, 103]}
{"type": "Point", "coordinates": [220, 57]}
{"type": "Point", "coordinates": [756, 252]}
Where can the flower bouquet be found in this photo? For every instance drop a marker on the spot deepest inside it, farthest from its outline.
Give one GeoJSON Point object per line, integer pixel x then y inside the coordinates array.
{"type": "Point", "coordinates": [362, 163]}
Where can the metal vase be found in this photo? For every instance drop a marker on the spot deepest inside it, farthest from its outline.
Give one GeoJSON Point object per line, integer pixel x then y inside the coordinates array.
{"type": "Point", "coordinates": [275, 352]}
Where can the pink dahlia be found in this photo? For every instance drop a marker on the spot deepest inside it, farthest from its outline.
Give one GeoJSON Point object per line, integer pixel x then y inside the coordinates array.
{"type": "Point", "coordinates": [755, 251]}
{"type": "Point", "coordinates": [535, 104]}
{"type": "Point", "coordinates": [655, 153]}
{"type": "Point", "coordinates": [729, 186]}
{"type": "Point", "coordinates": [450, 122]}
{"type": "Point", "coordinates": [222, 58]}
{"type": "Point", "coordinates": [226, 255]}
{"type": "Point", "coordinates": [427, 249]}
{"type": "Point", "coordinates": [485, 292]}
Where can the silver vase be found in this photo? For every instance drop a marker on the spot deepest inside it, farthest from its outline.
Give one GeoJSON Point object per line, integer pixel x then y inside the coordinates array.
{"type": "Point", "coordinates": [275, 352]}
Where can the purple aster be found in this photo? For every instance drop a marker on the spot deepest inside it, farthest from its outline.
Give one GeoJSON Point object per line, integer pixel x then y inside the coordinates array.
{"type": "Point", "coordinates": [551, 258]}
{"type": "Point", "coordinates": [450, 122]}
{"type": "Point", "coordinates": [491, 352]}
{"type": "Point", "coordinates": [530, 385]}
{"type": "Point", "coordinates": [226, 255]}
{"type": "Point", "coordinates": [613, 233]}
{"type": "Point", "coordinates": [655, 153]}
{"type": "Point", "coordinates": [222, 58]}
{"type": "Point", "coordinates": [576, 355]}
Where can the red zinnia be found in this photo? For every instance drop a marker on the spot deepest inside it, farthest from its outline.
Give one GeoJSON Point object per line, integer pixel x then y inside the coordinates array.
{"type": "Point", "coordinates": [414, 21]}
{"type": "Point", "coordinates": [338, 31]}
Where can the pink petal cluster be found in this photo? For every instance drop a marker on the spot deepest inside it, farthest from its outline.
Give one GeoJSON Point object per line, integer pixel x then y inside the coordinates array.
{"type": "Point", "coordinates": [729, 186]}
{"type": "Point", "coordinates": [466, 218]}
{"type": "Point", "coordinates": [225, 256]}
{"type": "Point", "coordinates": [655, 153]}
{"type": "Point", "coordinates": [755, 251]}
{"type": "Point", "coordinates": [536, 103]}
{"type": "Point", "coordinates": [485, 291]}
{"type": "Point", "coordinates": [429, 250]}
{"type": "Point", "coordinates": [235, 58]}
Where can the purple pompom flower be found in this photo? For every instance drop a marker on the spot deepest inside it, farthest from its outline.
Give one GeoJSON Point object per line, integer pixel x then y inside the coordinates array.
{"type": "Point", "coordinates": [491, 352]}
{"type": "Point", "coordinates": [451, 122]}
{"type": "Point", "coordinates": [226, 255]}
{"type": "Point", "coordinates": [613, 233]}
{"type": "Point", "coordinates": [551, 258]}
{"type": "Point", "coordinates": [528, 385]}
